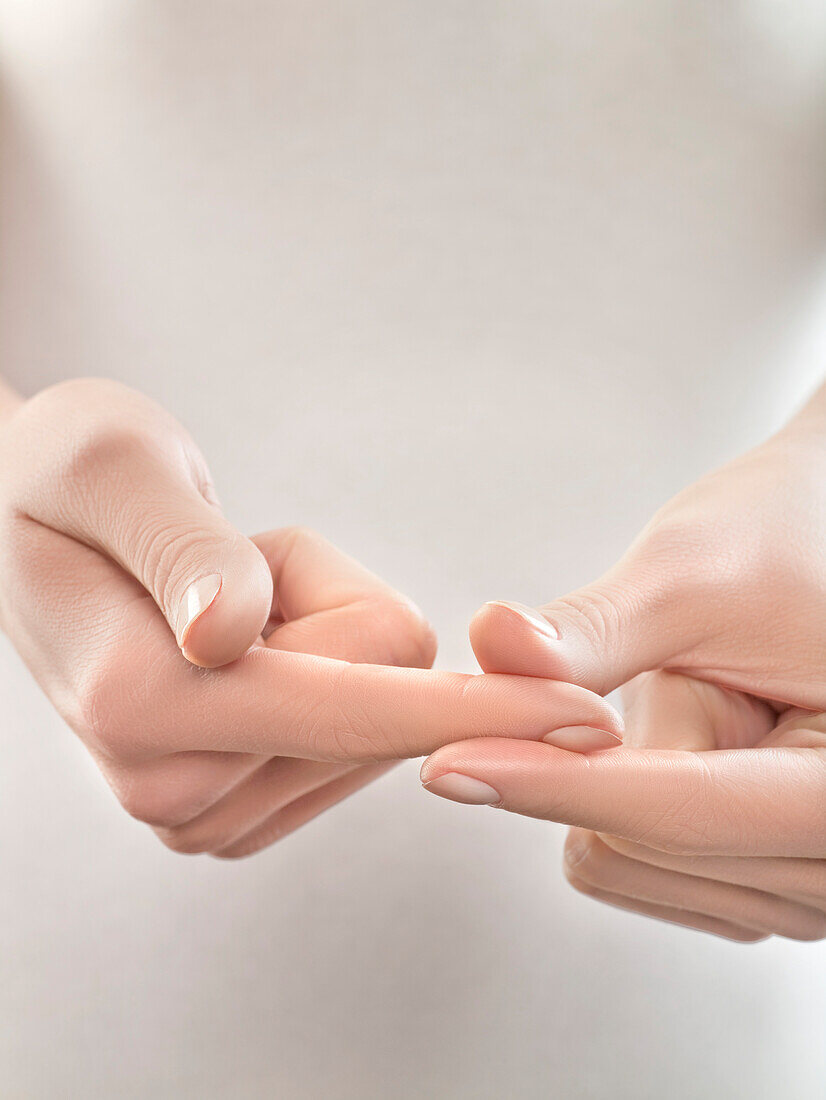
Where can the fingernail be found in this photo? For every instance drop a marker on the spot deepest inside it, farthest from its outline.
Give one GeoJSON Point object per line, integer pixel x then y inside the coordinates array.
{"type": "Point", "coordinates": [462, 788]}
{"type": "Point", "coordinates": [198, 597]}
{"type": "Point", "coordinates": [531, 617]}
{"type": "Point", "coordinates": [582, 739]}
{"type": "Point", "coordinates": [577, 847]}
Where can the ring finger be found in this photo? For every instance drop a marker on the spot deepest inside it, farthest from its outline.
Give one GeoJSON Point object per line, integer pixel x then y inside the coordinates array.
{"type": "Point", "coordinates": [589, 859]}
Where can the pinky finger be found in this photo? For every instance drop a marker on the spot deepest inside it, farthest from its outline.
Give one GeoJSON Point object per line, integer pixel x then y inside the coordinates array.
{"type": "Point", "coordinates": [699, 921]}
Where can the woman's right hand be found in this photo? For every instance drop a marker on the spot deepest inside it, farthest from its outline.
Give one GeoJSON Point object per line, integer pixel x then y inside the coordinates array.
{"type": "Point", "coordinates": [119, 577]}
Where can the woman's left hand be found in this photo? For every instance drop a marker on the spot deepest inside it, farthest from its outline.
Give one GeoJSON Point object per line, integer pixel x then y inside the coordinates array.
{"type": "Point", "coordinates": [713, 812]}
{"type": "Point", "coordinates": [679, 823]}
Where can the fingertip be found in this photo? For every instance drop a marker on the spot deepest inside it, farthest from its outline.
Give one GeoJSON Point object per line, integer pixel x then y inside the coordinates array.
{"type": "Point", "coordinates": [486, 757]}
{"type": "Point", "coordinates": [222, 614]}
{"type": "Point", "coordinates": [195, 602]}
{"type": "Point", "coordinates": [610, 719]}
{"type": "Point", "coordinates": [463, 788]}
{"type": "Point", "coordinates": [514, 638]}
{"type": "Point", "coordinates": [532, 707]}
{"type": "Point", "coordinates": [568, 705]}
{"type": "Point", "coordinates": [525, 615]}
{"type": "Point", "coordinates": [430, 768]}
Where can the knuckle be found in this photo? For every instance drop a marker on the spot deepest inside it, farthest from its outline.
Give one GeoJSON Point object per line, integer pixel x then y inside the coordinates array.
{"type": "Point", "coordinates": [142, 803]}
{"type": "Point", "coordinates": [159, 804]}
{"type": "Point", "coordinates": [669, 535]}
{"type": "Point", "coordinates": [109, 448]}
{"type": "Point", "coordinates": [106, 445]}
{"type": "Point", "coordinates": [163, 555]}
{"type": "Point", "coordinates": [674, 551]}
{"type": "Point", "coordinates": [355, 736]}
{"type": "Point", "coordinates": [172, 792]}
{"type": "Point", "coordinates": [104, 712]}
{"type": "Point", "coordinates": [692, 824]}
{"type": "Point", "coordinates": [122, 702]}
{"type": "Point", "coordinates": [86, 433]}
{"type": "Point", "coordinates": [341, 726]}
{"type": "Point", "coordinates": [116, 700]}
{"type": "Point", "coordinates": [596, 612]}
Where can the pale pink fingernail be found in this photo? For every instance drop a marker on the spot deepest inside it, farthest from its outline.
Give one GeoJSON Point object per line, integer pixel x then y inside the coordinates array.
{"type": "Point", "coordinates": [462, 788]}
{"type": "Point", "coordinates": [582, 739]}
{"type": "Point", "coordinates": [529, 615]}
{"type": "Point", "coordinates": [577, 847]}
{"type": "Point", "coordinates": [198, 597]}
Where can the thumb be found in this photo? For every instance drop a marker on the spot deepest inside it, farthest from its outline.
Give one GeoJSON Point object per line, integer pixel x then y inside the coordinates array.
{"type": "Point", "coordinates": [223, 610]}
{"type": "Point", "coordinates": [212, 584]}
{"type": "Point", "coordinates": [106, 466]}
{"type": "Point", "coordinates": [632, 619]}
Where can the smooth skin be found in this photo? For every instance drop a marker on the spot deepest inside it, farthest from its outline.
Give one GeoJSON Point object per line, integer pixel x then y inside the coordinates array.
{"type": "Point", "coordinates": [713, 813]}
{"type": "Point", "coordinates": [229, 688]}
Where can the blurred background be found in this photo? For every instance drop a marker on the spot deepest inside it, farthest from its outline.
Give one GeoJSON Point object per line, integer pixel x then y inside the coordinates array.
{"type": "Point", "coordinates": [471, 286]}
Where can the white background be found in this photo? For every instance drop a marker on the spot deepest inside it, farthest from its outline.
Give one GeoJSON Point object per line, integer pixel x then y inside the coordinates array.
{"type": "Point", "coordinates": [472, 286]}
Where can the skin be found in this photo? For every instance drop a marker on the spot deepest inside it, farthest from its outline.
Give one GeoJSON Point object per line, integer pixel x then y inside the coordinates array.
{"type": "Point", "coordinates": [229, 688]}
{"type": "Point", "coordinates": [713, 813]}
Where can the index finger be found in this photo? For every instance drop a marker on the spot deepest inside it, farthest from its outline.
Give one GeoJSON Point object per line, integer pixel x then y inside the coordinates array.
{"type": "Point", "coordinates": [302, 705]}
{"type": "Point", "coordinates": [296, 704]}
{"type": "Point", "coordinates": [752, 802]}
